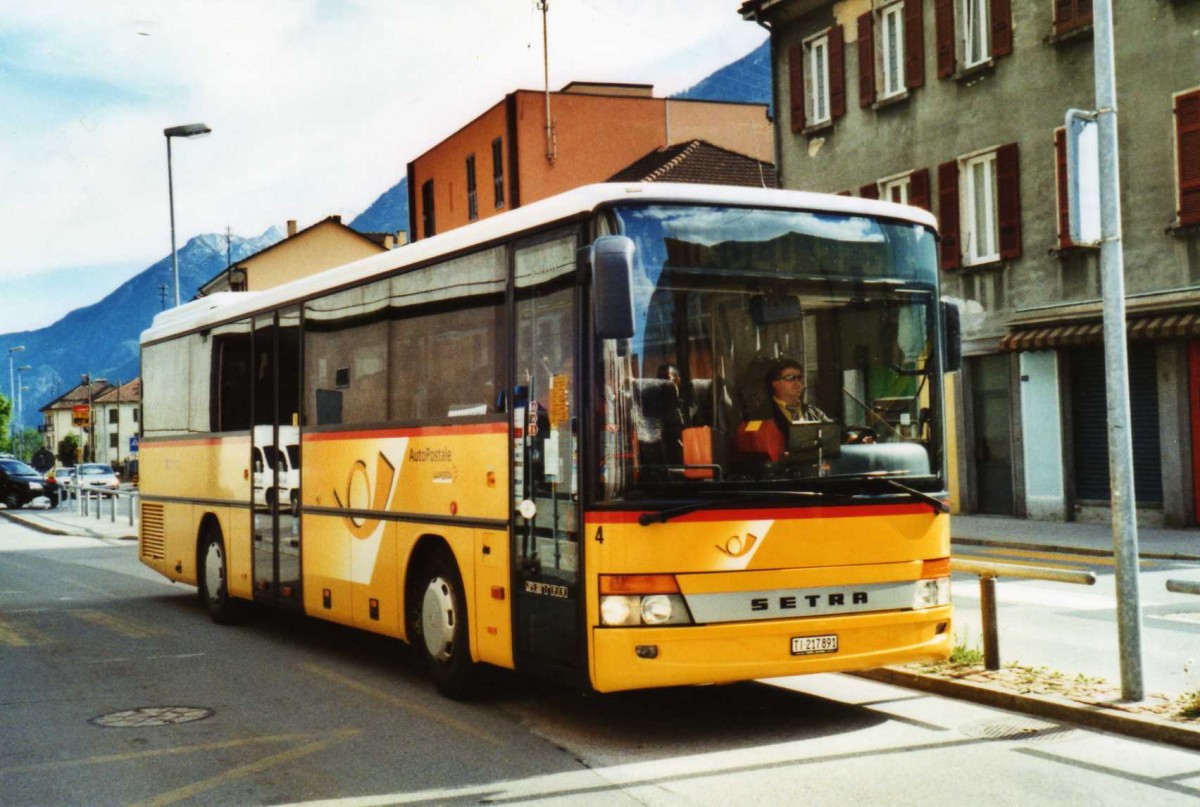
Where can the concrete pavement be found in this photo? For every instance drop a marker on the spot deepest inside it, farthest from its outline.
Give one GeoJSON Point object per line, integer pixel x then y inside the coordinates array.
{"type": "Point", "coordinates": [1155, 543]}
{"type": "Point", "coordinates": [67, 520]}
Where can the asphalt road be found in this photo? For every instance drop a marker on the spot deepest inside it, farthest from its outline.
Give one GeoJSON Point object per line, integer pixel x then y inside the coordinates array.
{"type": "Point", "coordinates": [117, 689]}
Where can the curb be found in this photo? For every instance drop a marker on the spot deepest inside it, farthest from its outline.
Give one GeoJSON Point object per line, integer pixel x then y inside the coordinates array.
{"type": "Point", "coordinates": [39, 525]}
{"type": "Point", "coordinates": [1099, 717]}
{"type": "Point", "coordinates": [1072, 550]}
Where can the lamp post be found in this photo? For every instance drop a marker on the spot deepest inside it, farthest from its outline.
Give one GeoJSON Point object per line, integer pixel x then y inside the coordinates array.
{"type": "Point", "coordinates": [188, 130]}
{"type": "Point", "coordinates": [20, 428]}
{"type": "Point", "coordinates": [12, 385]}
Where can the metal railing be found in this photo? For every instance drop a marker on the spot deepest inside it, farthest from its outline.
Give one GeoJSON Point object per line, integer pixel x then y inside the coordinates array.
{"type": "Point", "coordinates": [90, 502]}
{"type": "Point", "coordinates": [988, 572]}
{"type": "Point", "coordinates": [1184, 586]}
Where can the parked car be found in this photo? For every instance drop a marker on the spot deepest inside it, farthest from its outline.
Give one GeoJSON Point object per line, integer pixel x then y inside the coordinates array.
{"type": "Point", "coordinates": [91, 475]}
{"type": "Point", "coordinates": [19, 484]}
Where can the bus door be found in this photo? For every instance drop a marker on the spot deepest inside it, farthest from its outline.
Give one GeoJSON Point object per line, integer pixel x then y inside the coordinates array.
{"type": "Point", "coordinates": [545, 533]}
{"type": "Point", "coordinates": [275, 458]}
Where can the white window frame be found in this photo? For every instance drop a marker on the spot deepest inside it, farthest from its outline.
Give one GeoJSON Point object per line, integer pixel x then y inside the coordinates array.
{"type": "Point", "coordinates": [975, 31]}
{"type": "Point", "coordinates": [980, 223]}
{"type": "Point", "coordinates": [816, 79]}
{"type": "Point", "coordinates": [896, 189]}
{"type": "Point", "coordinates": [890, 50]}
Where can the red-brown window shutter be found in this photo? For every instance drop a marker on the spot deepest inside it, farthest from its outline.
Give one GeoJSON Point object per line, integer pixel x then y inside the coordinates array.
{"type": "Point", "coordinates": [796, 85]}
{"type": "Point", "coordinates": [866, 59]}
{"type": "Point", "coordinates": [1064, 201]}
{"type": "Point", "coordinates": [1008, 200]}
{"type": "Point", "coordinates": [943, 15]}
{"type": "Point", "coordinates": [1071, 14]}
{"type": "Point", "coordinates": [1187, 145]}
{"type": "Point", "coordinates": [1001, 27]}
{"type": "Point", "coordinates": [918, 188]}
{"type": "Point", "coordinates": [948, 221]}
{"type": "Point", "coordinates": [870, 191]}
{"type": "Point", "coordinates": [837, 72]}
{"type": "Point", "coordinates": [914, 45]}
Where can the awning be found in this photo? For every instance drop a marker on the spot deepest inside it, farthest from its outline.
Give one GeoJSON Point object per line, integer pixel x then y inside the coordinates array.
{"type": "Point", "coordinates": [1185, 325]}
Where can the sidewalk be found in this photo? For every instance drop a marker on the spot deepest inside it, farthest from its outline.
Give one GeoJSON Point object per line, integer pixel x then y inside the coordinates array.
{"type": "Point", "coordinates": [66, 520]}
{"type": "Point", "coordinates": [1157, 543]}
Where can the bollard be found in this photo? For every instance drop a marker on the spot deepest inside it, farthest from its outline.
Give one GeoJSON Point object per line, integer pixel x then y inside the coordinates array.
{"type": "Point", "coordinates": [1184, 586]}
{"type": "Point", "coordinates": [132, 506]}
{"type": "Point", "coordinates": [113, 511]}
{"type": "Point", "coordinates": [991, 631]}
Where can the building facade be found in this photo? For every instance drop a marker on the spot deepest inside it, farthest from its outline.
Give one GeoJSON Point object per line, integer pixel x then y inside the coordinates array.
{"type": "Point", "coordinates": [509, 156]}
{"type": "Point", "coordinates": [323, 245]}
{"type": "Point", "coordinates": [958, 106]}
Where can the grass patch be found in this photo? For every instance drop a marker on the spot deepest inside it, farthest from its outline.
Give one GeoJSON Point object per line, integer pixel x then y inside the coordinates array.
{"type": "Point", "coordinates": [965, 655]}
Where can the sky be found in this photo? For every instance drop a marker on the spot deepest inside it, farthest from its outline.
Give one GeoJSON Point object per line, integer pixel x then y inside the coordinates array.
{"type": "Point", "coordinates": [316, 107]}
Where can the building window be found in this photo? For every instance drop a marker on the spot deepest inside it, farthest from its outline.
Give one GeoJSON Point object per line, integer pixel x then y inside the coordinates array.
{"type": "Point", "coordinates": [1071, 15]}
{"type": "Point", "coordinates": [980, 233]}
{"type": "Point", "coordinates": [816, 63]}
{"type": "Point", "coordinates": [428, 224]}
{"type": "Point", "coordinates": [979, 208]}
{"type": "Point", "coordinates": [498, 171]}
{"type": "Point", "coordinates": [817, 79]}
{"type": "Point", "coordinates": [113, 415]}
{"type": "Point", "coordinates": [970, 33]}
{"type": "Point", "coordinates": [136, 415]}
{"type": "Point", "coordinates": [895, 190]}
{"type": "Point", "coordinates": [910, 188]}
{"type": "Point", "coordinates": [113, 441]}
{"type": "Point", "coordinates": [891, 50]}
{"type": "Point", "coordinates": [472, 199]}
{"type": "Point", "coordinates": [1187, 153]}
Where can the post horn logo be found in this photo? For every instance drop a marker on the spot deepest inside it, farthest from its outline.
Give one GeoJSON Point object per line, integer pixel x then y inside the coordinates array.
{"type": "Point", "coordinates": [737, 547]}
{"type": "Point", "coordinates": [358, 489]}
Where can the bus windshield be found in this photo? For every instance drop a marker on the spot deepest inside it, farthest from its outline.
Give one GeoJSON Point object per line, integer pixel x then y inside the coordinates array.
{"type": "Point", "coordinates": [772, 350]}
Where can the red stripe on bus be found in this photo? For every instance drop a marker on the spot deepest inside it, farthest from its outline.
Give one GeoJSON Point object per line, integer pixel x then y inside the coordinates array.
{"type": "Point", "coordinates": [771, 514]}
{"type": "Point", "coordinates": [416, 431]}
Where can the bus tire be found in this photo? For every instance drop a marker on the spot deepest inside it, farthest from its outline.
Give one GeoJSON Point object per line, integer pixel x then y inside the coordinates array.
{"type": "Point", "coordinates": [212, 576]}
{"type": "Point", "coordinates": [440, 628]}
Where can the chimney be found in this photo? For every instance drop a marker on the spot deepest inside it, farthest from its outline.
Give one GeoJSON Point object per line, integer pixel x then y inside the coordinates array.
{"type": "Point", "coordinates": [291, 227]}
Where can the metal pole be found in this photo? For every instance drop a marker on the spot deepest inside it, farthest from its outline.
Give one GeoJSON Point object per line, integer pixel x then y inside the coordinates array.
{"type": "Point", "coordinates": [171, 201]}
{"type": "Point", "coordinates": [1120, 444]}
{"type": "Point", "coordinates": [991, 633]}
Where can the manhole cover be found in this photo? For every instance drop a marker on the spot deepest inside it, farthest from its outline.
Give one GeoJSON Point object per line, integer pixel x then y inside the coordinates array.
{"type": "Point", "coordinates": [1032, 730]}
{"type": "Point", "coordinates": [151, 716]}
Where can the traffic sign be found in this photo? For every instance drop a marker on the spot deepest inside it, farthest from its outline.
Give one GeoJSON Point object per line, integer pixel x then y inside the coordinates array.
{"type": "Point", "coordinates": [81, 415]}
{"type": "Point", "coordinates": [133, 444]}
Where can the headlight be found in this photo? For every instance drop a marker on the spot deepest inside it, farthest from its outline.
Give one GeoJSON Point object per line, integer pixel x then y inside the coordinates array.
{"type": "Point", "coordinates": [650, 609]}
{"type": "Point", "coordinates": [618, 610]}
{"type": "Point", "coordinates": [35, 485]}
{"type": "Point", "coordinates": [932, 592]}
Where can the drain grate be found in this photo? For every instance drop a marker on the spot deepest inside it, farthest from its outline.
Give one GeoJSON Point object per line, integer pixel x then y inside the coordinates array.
{"type": "Point", "coordinates": [151, 716]}
{"type": "Point", "coordinates": [1029, 730]}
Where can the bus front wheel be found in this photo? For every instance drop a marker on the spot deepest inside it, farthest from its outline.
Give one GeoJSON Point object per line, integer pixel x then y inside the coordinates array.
{"type": "Point", "coordinates": [439, 629]}
{"type": "Point", "coordinates": [212, 577]}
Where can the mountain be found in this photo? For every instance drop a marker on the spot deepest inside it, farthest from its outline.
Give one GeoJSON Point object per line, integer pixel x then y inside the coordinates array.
{"type": "Point", "coordinates": [748, 80]}
{"type": "Point", "coordinates": [102, 339]}
{"type": "Point", "coordinates": [388, 213]}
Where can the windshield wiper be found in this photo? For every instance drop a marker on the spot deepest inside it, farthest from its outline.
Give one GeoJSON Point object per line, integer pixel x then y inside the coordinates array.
{"type": "Point", "coordinates": [937, 504]}
{"type": "Point", "coordinates": [663, 516]}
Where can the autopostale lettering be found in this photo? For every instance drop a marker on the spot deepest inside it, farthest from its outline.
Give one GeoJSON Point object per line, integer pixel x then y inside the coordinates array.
{"type": "Point", "coordinates": [799, 602]}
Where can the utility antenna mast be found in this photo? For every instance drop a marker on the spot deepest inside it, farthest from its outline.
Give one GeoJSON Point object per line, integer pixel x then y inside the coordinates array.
{"type": "Point", "coordinates": [544, 7]}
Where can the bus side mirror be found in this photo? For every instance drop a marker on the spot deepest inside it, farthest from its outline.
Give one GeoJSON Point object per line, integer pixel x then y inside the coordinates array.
{"type": "Point", "coordinates": [952, 327]}
{"type": "Point", "coordinates": [611, 260]}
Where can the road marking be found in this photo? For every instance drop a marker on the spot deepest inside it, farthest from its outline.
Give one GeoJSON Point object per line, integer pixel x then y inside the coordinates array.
{"type": "Point", "coordinates": [116, 624]}
{"type": "Point", "coordinates": [162, 752]}
{"type": "Point", "coordinates": [291, 755]}
{"type": "Point", "coordinates": [401, 703]}
{"type": "Point", "coordinates": [1066, 557]}
{"type": "Point", "coordinates": [167, 657]}
{"type": "Point", "coordinates": [23, 637]}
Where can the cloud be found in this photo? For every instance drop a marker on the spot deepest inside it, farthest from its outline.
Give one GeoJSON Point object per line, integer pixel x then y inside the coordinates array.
{"type": "Point", "coordinates": [316, 106]}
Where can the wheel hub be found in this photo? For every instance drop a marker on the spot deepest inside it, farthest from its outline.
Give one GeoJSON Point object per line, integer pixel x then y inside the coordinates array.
{"type": "Point", "coordinates": [438, 618]}
{"type": "Point", "coordinates": [214, 571]}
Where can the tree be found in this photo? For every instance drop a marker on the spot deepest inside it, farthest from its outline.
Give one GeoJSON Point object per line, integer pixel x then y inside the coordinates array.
{"type": "Point", "coordinates": [68, 450]}
{"type": "Point", "coordinates": [6, 411]}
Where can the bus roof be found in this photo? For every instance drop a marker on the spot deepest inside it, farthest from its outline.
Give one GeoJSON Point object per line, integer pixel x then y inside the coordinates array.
{"type": "Point", "coordinates": [225, 306]}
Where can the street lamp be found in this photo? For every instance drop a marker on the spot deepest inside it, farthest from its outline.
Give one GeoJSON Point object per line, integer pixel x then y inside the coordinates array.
{"type": "Point", "coordinates": [12, 391]}
{"type": "Point", "coordinates": [20, 430]}
{"type": "Point", "coordinates": [189, 130]}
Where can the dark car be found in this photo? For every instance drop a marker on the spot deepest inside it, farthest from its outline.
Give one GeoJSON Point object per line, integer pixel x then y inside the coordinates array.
{"type": "Point", "coordinates": [19, 484]}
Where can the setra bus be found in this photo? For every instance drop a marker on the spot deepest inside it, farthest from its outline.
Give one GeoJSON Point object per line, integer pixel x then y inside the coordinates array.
{"type": "Point", "coordinates": [548, 441]}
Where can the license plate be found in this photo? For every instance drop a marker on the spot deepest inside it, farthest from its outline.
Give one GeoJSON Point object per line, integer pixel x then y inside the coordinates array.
{"type": "Point", "coordinates": [808, 645]}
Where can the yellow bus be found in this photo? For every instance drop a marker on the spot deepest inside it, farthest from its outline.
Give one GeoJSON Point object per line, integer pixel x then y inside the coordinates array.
{"type": "Point", "coordinates": [555, 441]}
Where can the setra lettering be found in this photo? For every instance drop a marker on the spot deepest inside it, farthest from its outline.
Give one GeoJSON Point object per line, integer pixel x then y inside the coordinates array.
{"type": "Point", "coordinates": [792, 602]}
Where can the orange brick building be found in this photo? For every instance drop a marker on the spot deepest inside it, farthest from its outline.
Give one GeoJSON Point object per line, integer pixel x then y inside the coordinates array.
{"type": "Point", "coordinates": [506, 157]}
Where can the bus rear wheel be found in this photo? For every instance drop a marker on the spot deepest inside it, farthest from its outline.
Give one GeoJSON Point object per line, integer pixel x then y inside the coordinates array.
{"type": "Point", "coordinates": [439, 628]}
{"type": "Point", "coordinates": [212, 577]}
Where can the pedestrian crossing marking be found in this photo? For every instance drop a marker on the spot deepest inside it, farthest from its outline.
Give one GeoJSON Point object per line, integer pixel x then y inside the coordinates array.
{"type": "Point", "coordinates": [10, 636]}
